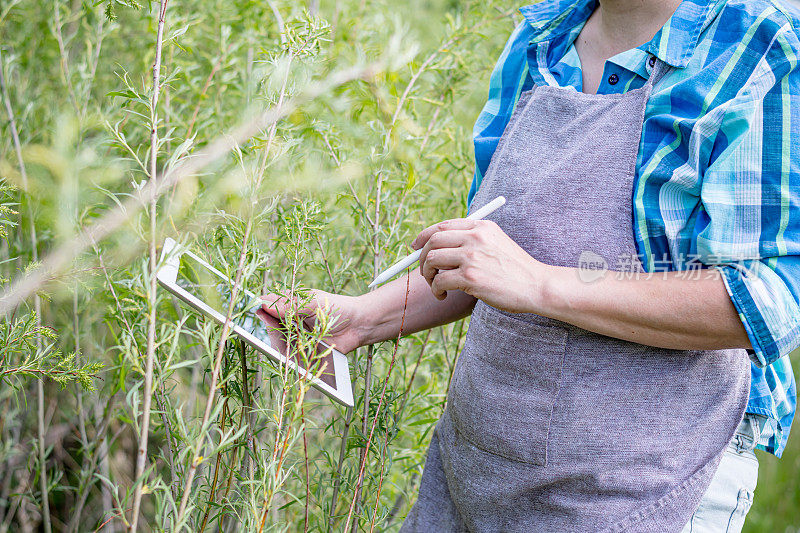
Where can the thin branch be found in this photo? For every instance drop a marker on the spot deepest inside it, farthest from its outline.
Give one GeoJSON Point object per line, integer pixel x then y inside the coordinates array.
{"type": "Point", "coordinates": [337, 480]}
{"type": "Point", "coordinates": [215, 375]}
{"type": "Point", "coordinates": [210, 502]}
{"type": "Point", "coordinates": [42, 462]}
{"type": "Point", "coordinates": [427, 62]}
{"type": "Point", "coordinates": [305, 464]}
{"type": "Point", "coordinates": [76, 334]}
{"type": "Point", "coordinates": [360, 205]}
{"type": "Point", "coordinates": [376, 262]}
{"type": "Point", "coordinates": [214, 71]}
{"type": "Point", "coordinates": [266, 505]}
{"type": "Point", "coordinates": [37, 303]}
{"type": "Point", "coordinates": [386, 436]}
{"type": "Point", "coordinates": [161, 402]}
{"type": "Point", "coordinates": [97, 454]}
{"type": "Point", "coordinates": [247, 409]}
{"type": "Point", "coordinates": [63, 56]}
{"type": "Point", "coordinates": [413, 374]}
{"type": "Point", "coordinates": [279, 21]}
{"type": "Point", "coordinates": [378, 410]}
{"type": "Point", "coordinates": [141, 457]}
{"type": "Point", "coordinates": [41, 372]}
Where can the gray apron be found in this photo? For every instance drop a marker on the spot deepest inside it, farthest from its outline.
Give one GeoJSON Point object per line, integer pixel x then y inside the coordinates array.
{"type": "Point", "coordinates": [550, 427]}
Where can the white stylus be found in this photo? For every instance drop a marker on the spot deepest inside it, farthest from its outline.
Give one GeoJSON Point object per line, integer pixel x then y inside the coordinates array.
{"type": "Point", "coordinates": [410, 259]}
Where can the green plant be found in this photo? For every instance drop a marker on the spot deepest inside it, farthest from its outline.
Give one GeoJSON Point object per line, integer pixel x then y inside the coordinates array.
{"type": "Point", "coordinates": [292, 147]}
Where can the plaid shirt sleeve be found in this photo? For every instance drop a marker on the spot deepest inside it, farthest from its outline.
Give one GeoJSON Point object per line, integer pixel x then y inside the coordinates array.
{"type": "Point", "coordinates": [751, 201]}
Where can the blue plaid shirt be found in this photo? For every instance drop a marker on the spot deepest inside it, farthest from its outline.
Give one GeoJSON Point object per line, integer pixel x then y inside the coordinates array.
{"type": "Point", "coordinates": [718, 170]}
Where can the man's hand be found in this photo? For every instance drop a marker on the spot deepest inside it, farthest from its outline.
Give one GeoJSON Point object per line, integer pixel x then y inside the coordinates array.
{"type": "Point", "coordinates": [347, 332]}
{"type": "Point", "coordinates": [477, 257]}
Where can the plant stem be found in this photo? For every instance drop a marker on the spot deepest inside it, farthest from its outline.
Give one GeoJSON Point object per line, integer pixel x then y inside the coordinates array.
{"type": "Point", "coordinates": [216, 470]}
{"type": "Point", "coordinates": [214, 69]}
{"type": "Point", "coordinates": [279, 429]}
{"type": "Point", "coordinates": [337, 480]}
{"type": "Point", "coordinates": [141, 457]}
{"type": "Point", "coordinates": [247, 410]}
{"type": "Point", "coordinates": [97, 454]}
{"type": "Point", "coordinates": [305, 464]}
{"type": "Point", "coordinates": [278, 20]}
{"type": "Point", "coordinates": [215, 375]}
{"type": "Point", "coordinates": [42, 465]}
{"type": "Point", "coordinates": [161, 402]}
{"type": "Point", "coordinates": [64, 57]}
{"type": "Point", "coordinates": [413, 374]}
{"type": "Point", "coordinates": [76, 335]}
{"type": "Point", "coordinates": [378, 410]}
{"type": "Point", "coordinates": [37, 304]}
{"type": "Point", "coordinates": [376, 262]}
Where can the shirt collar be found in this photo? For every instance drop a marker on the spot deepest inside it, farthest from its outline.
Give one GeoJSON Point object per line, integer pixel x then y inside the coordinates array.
{"type": "Point", "coordinates": [674, 43]}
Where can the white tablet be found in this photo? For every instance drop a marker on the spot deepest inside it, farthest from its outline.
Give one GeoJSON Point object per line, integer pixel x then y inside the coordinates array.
{"type": "Point", "coordinates": [208, 290]}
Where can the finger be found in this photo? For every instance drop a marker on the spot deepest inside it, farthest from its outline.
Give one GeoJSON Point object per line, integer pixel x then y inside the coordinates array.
{"type": "Point", "coordinates": [278, 306]}
{"type": "Point", "coordinates": [442, 240]}
{"type": "Point", "coordinates": [452, 224]}
{"type": "Point", "coordinates": [275, 329]}
{"type": "Point", "coordinates": [320, 300]}
{"type": "Point", "coordinates": [441, 259]}
{"type": "Point", "coordinates": [267, 318]}
{"type": "Point", "coordinates": [447, 280]}
{"type": "Point", "coordinates": [275, 304]}
{"type": "Point", "coordinates": [308, 308]}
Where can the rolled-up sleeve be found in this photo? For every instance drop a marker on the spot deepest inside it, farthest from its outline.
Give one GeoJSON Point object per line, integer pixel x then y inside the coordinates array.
{"type": "Point", "coordinates": [767, 305]}
{"type": "Point", "coordinates": [751, 203]}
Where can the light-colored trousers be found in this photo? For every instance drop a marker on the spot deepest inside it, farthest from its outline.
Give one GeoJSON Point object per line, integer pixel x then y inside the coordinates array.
{"type": "Point", "coordinates": [730, 495]}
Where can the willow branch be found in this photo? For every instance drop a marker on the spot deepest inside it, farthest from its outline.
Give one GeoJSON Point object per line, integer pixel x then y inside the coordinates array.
{"type": "Point", "coordinates": [360, 479]}
{"type": "Point", "coordinates": [141, 457]}
{"type": "Point", "coordinates": [226, 328]}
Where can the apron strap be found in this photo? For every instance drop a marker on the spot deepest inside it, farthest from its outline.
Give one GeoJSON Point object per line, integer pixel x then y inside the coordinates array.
{"type": "Point", "coordinates": [660, 69]}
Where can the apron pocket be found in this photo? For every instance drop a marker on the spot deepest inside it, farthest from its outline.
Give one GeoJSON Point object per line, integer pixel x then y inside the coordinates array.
{"type": "Point", "coordinates": [505, 385]}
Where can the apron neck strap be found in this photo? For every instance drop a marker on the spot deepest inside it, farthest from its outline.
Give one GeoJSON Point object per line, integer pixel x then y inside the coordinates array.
{"type": "Point", "coordinates": [659, 70]}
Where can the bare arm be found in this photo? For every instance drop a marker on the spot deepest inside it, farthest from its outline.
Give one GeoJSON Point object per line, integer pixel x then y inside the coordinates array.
{"type": "Point", "coordinates": [376, 316]}
{"type": "Point", "coordinates": [670, 311]}
{"type": "Point", "coordinates": [424, 310]}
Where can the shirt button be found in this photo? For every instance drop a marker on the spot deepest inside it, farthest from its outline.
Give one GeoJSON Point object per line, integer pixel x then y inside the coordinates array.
{"type": "Point", "coordinates": [613, 79]}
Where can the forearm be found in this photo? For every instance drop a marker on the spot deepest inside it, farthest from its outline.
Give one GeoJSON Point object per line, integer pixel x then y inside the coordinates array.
{"type": "Point", "coordinates": [423, 310]}
{"type": "Point", "coordinates": [670, 310]}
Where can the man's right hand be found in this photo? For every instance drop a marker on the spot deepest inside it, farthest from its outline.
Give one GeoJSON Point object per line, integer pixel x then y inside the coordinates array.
{"type": "Point", "coordinates": [347, 332]}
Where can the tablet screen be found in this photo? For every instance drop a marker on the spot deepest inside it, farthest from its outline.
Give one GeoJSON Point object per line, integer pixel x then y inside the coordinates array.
{"type": "Point", "coordinates": [215, 291]}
